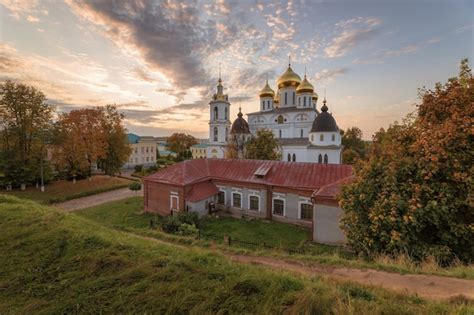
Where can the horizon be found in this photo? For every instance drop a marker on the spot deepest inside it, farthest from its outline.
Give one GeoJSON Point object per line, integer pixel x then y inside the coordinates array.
{"type": "Point", "coordinates": [159, 61]}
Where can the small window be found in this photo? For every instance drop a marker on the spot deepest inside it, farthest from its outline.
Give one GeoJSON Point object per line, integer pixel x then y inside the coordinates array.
{"type": "Point", "coordinates": [279, 133]}
{"type": "Point", "coordinates": [289, 157]}
{"type": "Point", "coordinates": [226, 133]}
{"type": "Point", "coordinates": [294, 102]}
{"type": "Point", "coordinates": [301, 133]}
{"type": "Point", "coordinates": [215, 134]}
{"type": "Point", "coordinates": [333, 137]}
{"type": "Point", "coordinates": [263, 104]}
{"type": "Point", "coordinates": [325, 159]}
{"type": "Point", "coordinates": [221, 197]}
{"type": "Point", "coordinates": [286, 98]}
{"type": "Point", "coordinates": [306, 211]}
{"type": "Point", "coordinates": [299, 101]}
{"type": "Point", "coordinates": [312, 138]}
{"type": "Point", "coordinates": [320, 159]}
{"type": "Point", "coordinates": [216, 113]}
{"type": "Point", "coordinates": [225, 113]}
{"type": "Point", "coordinates": [278, 207]}
{"type": "Point", "coordinates": [254, 203]}
{"type": "Point", "coordinates": [294, 157]}
{"type": "Point", "coordinates": [146, 149]}
{"type": "Point", "coordinates": [237, 200]}
{"type": "Point", "coordinates": [280, 119]}
{"type": "Point", "coordinates": [304, 101]}
{"type": "Point", "coordinates": [321, 137]}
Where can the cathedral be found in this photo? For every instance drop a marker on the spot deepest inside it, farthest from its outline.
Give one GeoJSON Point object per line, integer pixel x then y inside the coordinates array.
{"type": "Point", "coordinates": [303, 133]}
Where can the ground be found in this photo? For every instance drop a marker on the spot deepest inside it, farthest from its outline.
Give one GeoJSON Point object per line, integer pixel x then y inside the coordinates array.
{"type": "Point", "coordinates": [59, 191]}
{"type": "Point", "coordinates": [81, 266]}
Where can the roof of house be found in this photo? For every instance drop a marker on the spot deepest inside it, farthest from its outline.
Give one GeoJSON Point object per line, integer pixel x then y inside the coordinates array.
{"type": "Point", "coordinates": [201, 191]}
{"type": "Point", "coordinates": [309, 176]}
{"type": "Point", "coordinates": [133, 138]}
{"type": "Point", "coordinates": [331, 190]}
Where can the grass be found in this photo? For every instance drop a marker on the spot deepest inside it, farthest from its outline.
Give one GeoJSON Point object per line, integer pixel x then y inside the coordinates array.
{"type": "Point", "coordinates": [128, 215]}
{"type": "Point", "coordinates": [53, 262]}
{"type": "Point", "coordinates": [62, 190]}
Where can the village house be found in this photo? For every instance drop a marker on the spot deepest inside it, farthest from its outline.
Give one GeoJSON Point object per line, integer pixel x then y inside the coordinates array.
{"type": "Point", "coordinates": [295, 193]}
{"type": "Point", "coordinates": [143, 151]}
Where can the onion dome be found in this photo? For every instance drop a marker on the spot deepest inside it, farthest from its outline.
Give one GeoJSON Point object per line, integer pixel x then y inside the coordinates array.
{"type": "Point", "coordinates": [267, 91]}
{"type": "Point", "coordinates": [324, 121]}
{"type": "Point", "coordinates": [288, 78]}
{"type": "Point", "coordinates": [305, 86]}
{"type": "Point", "coordinates": [240, 125]}
{"type": "Point", "coordinates": [314, 97]}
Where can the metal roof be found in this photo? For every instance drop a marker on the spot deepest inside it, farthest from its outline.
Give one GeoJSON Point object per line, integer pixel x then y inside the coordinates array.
{"type": "Point", "coordinates": [201, 191]}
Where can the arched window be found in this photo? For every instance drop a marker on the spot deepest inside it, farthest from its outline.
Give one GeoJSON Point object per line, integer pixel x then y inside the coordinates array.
{"type": "Point", "coordinates": [215, 133]}
{"type": "Point", "coordinates": [325, 159]}
{"type": "Point", "coordinates": [294, 101]}
{"type": "Point", "coordinates": [320, 159]}
{"type": "Point", "coordinates": [226, 132]}
{"type": "Point", "coordinates": [312, 138]}
{"type": "Point", "coordinates": [286, 98]}
{"type": "Point", "coordinates": [289, 157]}
{"type": "Point", "coordinates": [216, 113]}
{"type": "Point", "coordinates": [280, 119]}
{"type": "Point", "coordinates": [304, 101]}
{"type": "Point", "coordinates": [299, 101]}
{"type": "Point", "coordinates": [301, 133]}
{"type": "Point", "coordinates": [225, 113]}
{"type": "Point", "coordinates": [279, 133]}
{"type": "Point", "coordinates": [294, 157]}
{"type": "Point", "coordinates": [333, 137]}
{"type": "Point", "coordinates": [321, 137]}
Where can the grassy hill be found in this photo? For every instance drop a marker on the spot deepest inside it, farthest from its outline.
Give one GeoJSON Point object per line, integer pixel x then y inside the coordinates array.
{"type": "Point", "coordinates": [53, 262]}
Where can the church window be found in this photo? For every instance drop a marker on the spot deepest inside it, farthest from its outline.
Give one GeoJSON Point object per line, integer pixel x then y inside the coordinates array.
{"type": "Point", "coordinates": [225, 113]}
{"type": "Point", "coordinates": [226, 133]}
{"type": "Point", "coordinates": [263, 104]}
{"type": "Point", "coordinates": [280, 119]}
{"type": "Point", "coordinates": [215, 134]}
{"type": "Point", "coordinates": [216, 113]}
{"type": "Point", "coordinates": [320, 159]}
{"type": "Point", "coordinates": [321, 137]}
{"type": "Point", "coordinates": [294, 157]}
{"type": "Point", "coordinates": [286, 98]}
{"type": "Point", "coordinates": [294, 102]}
{"type": "Point", "coordinates": [268, 104]}
{"type": "Point", "coordinates": [289, 157]}
{"type": "Point", "coordinates": [301, 133]}
{"type": "Point", "coordinates": [299, 101]}
{"type": "Point", "coordinates": [279, 133]}
{"type": "Point", "coordinates": [304, 101]}
{"type": "Point", "coordinates": [312, 138]}
{"type": "Point", "coordinates": [333, 137]}
{"type": "Point", "coordinates": [325, 159]}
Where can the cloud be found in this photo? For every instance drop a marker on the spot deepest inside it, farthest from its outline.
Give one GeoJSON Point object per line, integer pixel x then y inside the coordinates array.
{"type": "Point", "coordinates": [328, 75]}
{"type": "Point", "coordinates": [353, 32]}
{"type": "Point", "coordinates": [32, 19]}
{"type": "Point", "coordinates": [24, 8]}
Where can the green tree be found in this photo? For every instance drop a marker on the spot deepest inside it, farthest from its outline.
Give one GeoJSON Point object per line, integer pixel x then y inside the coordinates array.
{"type": "Point", "coordinates": [180, 142]}
{"type": "Point", "coordinates": [354, 147]}
{"type": "Point", "coordinates": [117, 149]}
{"type": "Point", "coordinates": [263, 146]}
{"type": "Point", "coordinates": [412, 195]}
{"type": "Point", "coordinates": [24, 117]}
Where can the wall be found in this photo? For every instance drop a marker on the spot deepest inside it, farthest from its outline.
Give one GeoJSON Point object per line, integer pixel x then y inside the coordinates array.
{"type": "Point", "coordinates": [157, 197]}
{"type": "Point", "coordinates": [326, 228]}
{"type": "Point", "coordinates": [143, 153]}
{"type": "Point", "coordinates": [201, 207]}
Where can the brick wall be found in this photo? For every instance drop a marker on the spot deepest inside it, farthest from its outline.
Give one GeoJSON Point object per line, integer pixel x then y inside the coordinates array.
{"type": "Point", "coordinates": [158, 200]}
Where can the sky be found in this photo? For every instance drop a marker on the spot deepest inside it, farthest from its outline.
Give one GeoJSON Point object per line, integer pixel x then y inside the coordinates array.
{"type": "Point", "coordinates": [158, 61]}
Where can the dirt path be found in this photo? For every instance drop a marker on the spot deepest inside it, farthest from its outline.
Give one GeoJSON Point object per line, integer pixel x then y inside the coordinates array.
{"type": "Point", "coordinates": [427, 286]}
{"type": "Point", "coordinates": [94, 200]}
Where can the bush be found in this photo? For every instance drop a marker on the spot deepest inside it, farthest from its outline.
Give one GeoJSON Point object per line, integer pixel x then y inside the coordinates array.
{"type": "Point", "coordinates": [172, 224]}
{"type": "Point", "coordinates": [135, 186]}
{"type": "Point", "coordinates": [152, 169]}
{"type": "Point", "coordinates": [188, 230]}
{"type": "Point", "coordinates": [138, 168]}
{"type": "Point", "coordinates": [191, 218]}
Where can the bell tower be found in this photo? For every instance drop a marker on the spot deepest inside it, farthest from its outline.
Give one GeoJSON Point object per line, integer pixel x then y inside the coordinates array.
{"type": "Point", "coordinates": [219, 123]}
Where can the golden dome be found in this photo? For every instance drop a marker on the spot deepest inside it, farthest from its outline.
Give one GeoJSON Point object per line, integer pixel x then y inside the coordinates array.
{"type": "Point", "coordinates": [315, 96]}
{"type": "Point", "coordinates": [305, 86]}
{"type": "Point", "coordinates": [288, 78]}
{"type": "Point", "coordinates": [267, 91]}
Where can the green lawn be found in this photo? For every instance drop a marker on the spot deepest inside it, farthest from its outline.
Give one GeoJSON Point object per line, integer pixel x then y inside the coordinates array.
{"type": "Point", "coordinates": [128, 215]}
{"type": "Point", "coordinates": [62, 190]}
{"type": "Point", "coordinates": [53, 262]}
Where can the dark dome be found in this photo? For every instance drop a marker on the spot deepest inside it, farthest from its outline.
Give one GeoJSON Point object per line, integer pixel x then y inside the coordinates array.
{"type": "Point", "coordinates": [324, 121]}
{"type": "Point", "coordinates": [240, 125]}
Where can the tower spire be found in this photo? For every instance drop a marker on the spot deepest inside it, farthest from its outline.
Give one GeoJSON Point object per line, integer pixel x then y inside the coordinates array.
{"type": "Point", "coordinates": [289, 60]}
{"type": "Point", "coordinates": [220, 80]}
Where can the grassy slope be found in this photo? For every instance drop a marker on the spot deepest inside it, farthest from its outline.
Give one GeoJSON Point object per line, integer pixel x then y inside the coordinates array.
{"type": "Point", "coordinates": [65, 190]}
{"type": "Point", "coordinates": [52, 262]}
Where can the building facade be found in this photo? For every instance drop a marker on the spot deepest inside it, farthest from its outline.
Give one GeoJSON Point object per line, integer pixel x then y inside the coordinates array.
{"type": "Point", "coordinates": [199, 151]}
{"type": "Point", "coordinates": [143, 151]}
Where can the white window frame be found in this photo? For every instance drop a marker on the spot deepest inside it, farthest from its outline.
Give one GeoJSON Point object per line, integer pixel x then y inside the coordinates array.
{"type": "Point", "coordinates": [278, 197]}
{"type": "Point", "coordinates": [174, 194]}
{"type": "Point", "coordinates": [232, 199]}
{"type": "Point", "coordinates": [306, 201]}
{"type": "Point", "coordinates": [253, 194]}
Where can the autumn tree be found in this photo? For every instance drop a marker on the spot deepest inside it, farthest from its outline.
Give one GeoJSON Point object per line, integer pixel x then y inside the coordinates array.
{"type": "Point", "coordinates": [354, 147]}
{"type": "Point", "coordinates": [180, 143]}
{"type": "Point", "coordinates": [81, 140]}
{"type": "Point", "coordinates": [263, 146]}
{"type": "Point", "coordinates": [413, 194]}
{"type": "Point", "coordinates": [117, 149]}
{"type": "Point", "coordinates": [24, 119]}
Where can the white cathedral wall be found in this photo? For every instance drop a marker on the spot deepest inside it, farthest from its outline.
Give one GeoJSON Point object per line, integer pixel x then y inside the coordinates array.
{"type": "Point", "coordinates": [295, 122]}
{"type": "Point", "coordinates": [300, 153]}
{"type": "Point", "coordinates": [315, 138]}
{"type": "Point", "coordinates": [289, 101]}
{"type": "Point", "coordinates": [334, 155]}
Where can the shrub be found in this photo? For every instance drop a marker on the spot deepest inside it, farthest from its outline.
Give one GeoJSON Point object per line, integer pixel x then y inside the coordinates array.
{"type": "Point", "coordinates": [188, 230]}
{"type": "Point", "coordinates": [138, 168]}
{"type": "Point", "coordinates": [135, 186]}
{"type": "Point", "coordinates": [191, 218]}
{"type": "Point", "coordinates": [152, 169]}
{"type": "Point", "coordinates": [170, 224]}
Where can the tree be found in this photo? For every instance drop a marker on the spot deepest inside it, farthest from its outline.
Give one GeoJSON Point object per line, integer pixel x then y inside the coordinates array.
{"type": "Point", "coordinates": [24, 117]}
{"type": "Point", "coordinates": [135, 186]}
{"type": "Point", "coordinates": [413, 194]}
{"type": "Point", "coordinates": [263, 146]}
{"type": "Point", "coordinates": [117, 149]}
{"type": "Point", "coordinates": [180, 142]}
{"type": "Point", "coordinates": [354, 147]}
{"type": "Point", "coordinates": [81, 140]}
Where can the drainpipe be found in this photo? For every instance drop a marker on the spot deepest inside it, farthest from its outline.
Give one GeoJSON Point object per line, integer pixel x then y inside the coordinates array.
{"type": "Point", "coordinates": [269, 202]}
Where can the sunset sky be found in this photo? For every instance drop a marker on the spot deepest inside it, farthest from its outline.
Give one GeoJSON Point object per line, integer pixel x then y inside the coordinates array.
{"type": "Point", "coordinates": [158, 61]}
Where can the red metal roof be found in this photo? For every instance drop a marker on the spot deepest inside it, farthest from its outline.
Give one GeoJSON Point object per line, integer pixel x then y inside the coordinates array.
{"type": "Point", "coordinates": [331, 190]}
{"type": "Point", "coordinates": [284, 174]}
{"type": "Point", "coordinates": [201, 191]}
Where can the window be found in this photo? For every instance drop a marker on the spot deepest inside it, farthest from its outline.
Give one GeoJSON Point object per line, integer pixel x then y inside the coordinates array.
{"type": "Point", "coordinates": [301, 133]}
{"type": "Point", "coordinates": [306, 211]}
{"type": "Point", "coordinates": [136, 150]}
{"type": "Point", "coordinates": [286, 98]}
{"type": "Point", "coordinates": [236, 200]}
{"type": "Point", "coordinates": [320, 159]}
{"type": "Point", "coordinates": [254, 203]}
{"type": "Point", "coordinates": [299, 101]}
{"type": "Point", "coordinates": [221, 197]}
{"type": "Point", "coordinates": [174, 202]}
{"type": "Point", "coordinates": [263, 104]}
{"type": "Point", "coordinates": [226, 133]}
{"type": "Point", "coordinates": [321, 137]}
{"type": "Point", "coordinates": [304, 101]}
{"type": "Point", "coordinates": [147, 158]}
{"type": "Point", "coordinates": [143, 149]}
{"type": "Point", "coordinates": [289, 157]}
{"type": "Point", "coordinates": [294, 157]}
{"type": "Point", "coordinates": [312, 138]}
{"type": "Point", "coordinates": [294, 102]}
{"type": "Point", "coordinates": [225, 113]}
{"type": "Point", "coordinates": [146, 149]}
{"type": "Point", "coordinates": [279, 133]}
{"type": "Point", "coordinates": [279, 207]}
{"type": "Point", "coordinates": [333, 137]}
{"type": "Point", "coordinates": [268, 103]}
{"type": "Point", "coordinates": [216, 113]}
{"type": "Point", "coordinates": [280, 119]}
{"type": "Point", "coordinates": [215, 134]}
{"type": "Point", "coordinates": [325, 159]}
